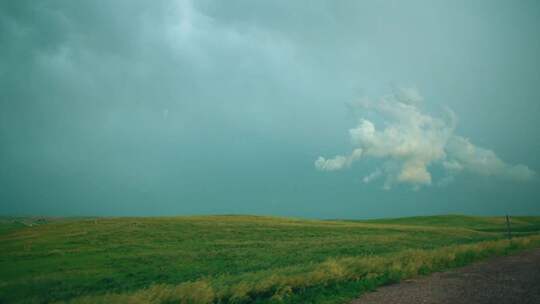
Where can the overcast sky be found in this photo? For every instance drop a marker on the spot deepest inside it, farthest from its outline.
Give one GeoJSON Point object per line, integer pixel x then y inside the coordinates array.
{"type": "Point", "coordinates": [327, 109]}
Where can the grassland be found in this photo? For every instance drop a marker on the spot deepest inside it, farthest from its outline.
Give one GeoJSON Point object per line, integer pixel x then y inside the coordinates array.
{"type": "Point", "coordinates": [236, 259]}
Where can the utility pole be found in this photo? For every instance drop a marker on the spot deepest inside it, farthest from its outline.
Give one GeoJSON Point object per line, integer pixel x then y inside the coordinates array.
{"type": "Point", "coordinates": [508, 227]}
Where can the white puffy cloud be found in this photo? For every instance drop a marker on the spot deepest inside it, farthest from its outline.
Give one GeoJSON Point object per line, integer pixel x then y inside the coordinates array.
{"type": "Point", "coordinates": [410, 141]}
{"type": "Point", "coordinates": [408, 95]}
{"type": "Point", "coordinates": [372, 176]}
{"type": "Point", "coordinates": [338, 162]}
{"type": "Point", "coordinates": [466, 156]}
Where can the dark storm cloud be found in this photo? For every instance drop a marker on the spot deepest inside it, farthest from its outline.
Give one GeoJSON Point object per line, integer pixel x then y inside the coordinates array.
{"type": "Point", "coordinates": [209, 106]}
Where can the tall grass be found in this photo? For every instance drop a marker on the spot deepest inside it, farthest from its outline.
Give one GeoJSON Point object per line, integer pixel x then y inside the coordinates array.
{"type": "Point", "coordinates": [286, 284]}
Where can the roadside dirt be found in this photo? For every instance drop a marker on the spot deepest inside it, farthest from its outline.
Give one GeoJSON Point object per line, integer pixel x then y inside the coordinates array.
{"type": "Point", "coordinates": [511, 279]}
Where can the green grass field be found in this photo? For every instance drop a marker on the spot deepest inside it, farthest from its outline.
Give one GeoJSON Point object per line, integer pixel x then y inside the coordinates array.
{"type": "Point", "coordinates": [236, 259]}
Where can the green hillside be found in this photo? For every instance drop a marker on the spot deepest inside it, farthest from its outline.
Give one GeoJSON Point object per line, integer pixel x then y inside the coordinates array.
{"type": "Point", "coordinates": [235, 259]}
{"type": "Point", "coordinates": [520, 224]}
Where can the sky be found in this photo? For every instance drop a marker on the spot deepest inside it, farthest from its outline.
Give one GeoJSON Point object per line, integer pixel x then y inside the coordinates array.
{"type": "Point", "coordinates": [317, 109]}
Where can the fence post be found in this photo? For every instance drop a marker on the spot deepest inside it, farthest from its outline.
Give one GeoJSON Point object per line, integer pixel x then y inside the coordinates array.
{"type": "Point", "coordinates": [509, 231]}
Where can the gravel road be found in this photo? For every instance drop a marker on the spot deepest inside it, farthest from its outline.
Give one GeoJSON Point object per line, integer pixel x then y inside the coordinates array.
{"type": "Point", "coordinates": [502, 280]}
